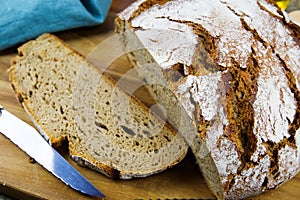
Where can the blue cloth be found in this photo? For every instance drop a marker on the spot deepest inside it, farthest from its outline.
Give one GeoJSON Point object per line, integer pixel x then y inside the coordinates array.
{"type": "Point", "coordinates": [21, 20]}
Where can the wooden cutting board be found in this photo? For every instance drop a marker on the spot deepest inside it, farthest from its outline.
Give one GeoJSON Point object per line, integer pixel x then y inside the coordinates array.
{"type": "Point", "coordinates": [22, 179]}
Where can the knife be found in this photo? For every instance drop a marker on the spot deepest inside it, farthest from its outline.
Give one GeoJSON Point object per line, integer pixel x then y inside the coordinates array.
{"type": "Point", "coordinates": [30, 141]}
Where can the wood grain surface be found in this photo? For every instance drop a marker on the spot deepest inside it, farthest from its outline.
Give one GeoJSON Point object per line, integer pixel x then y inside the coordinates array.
{"type": "Point", "coordinates": [22, 179]}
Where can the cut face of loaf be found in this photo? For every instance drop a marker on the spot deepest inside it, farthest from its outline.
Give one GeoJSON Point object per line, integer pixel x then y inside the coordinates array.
{"type": "Point", "coordinates": [107, 130]}
{"type": "Point", "coordinates": [227, 72]}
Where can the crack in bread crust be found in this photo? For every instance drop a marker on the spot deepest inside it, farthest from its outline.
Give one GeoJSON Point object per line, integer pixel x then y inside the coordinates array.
{"type": "Point", "coordinates": [295, 124]}
{"type": "Point", "coordinates": [144, 6]}
{"type": "Point", "coordinates": [241, 91]}
{"type": "Point", "coordinates": [292, 26]}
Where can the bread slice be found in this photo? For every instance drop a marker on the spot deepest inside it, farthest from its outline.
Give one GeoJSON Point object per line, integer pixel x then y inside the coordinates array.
{"type": "Point", "coordinates": [107, 130]}
{"type": "Point", "coordinates": [227, 73]}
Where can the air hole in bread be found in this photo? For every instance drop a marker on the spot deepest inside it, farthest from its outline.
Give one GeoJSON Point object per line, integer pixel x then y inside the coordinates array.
{"type": "Point", "coordinates": [61, 110]}
{"type": "Point", "coordinates": [40, 57]}
{"type": "Point", "coordinates": [95, 152]}
{"type": "Point", "coordinates": [146, 132]}
{"type": "Point", "coordinates": [128, 130]}
{"type": "Point", "coordinates": [101, 125]}
{"type": "Point", "coordinates": [265, 183]}
{"type": "Point", "coordinates": [167, 138]}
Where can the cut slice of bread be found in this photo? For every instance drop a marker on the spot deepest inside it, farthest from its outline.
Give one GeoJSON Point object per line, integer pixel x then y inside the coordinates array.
{"type": "Point", "coordinates": [106, 129]}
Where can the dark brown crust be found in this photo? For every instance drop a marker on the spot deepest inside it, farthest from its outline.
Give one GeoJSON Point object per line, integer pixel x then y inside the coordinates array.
{"type": "Point", "coordinates": [241, 90]}
{"type": "Point", "coordinates": [295, 33]}
{"type": "Point", "coordinates": [89, 162]}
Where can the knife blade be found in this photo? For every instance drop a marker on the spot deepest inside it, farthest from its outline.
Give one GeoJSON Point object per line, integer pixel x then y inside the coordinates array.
{"type": "Point", "coordinates": [31, 142]}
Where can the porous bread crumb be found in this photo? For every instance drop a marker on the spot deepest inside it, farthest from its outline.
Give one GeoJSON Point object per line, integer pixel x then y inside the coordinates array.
{"type": "Point", "coordinates": [106, 129]}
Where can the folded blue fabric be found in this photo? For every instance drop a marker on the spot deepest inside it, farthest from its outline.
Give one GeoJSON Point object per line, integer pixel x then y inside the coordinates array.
{"type": "Point", "coordinates": [21, 20]}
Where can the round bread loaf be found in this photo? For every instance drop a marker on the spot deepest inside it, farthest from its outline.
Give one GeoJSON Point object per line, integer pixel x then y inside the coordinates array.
{"type": "Point", "coordinates": [227, 72]}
